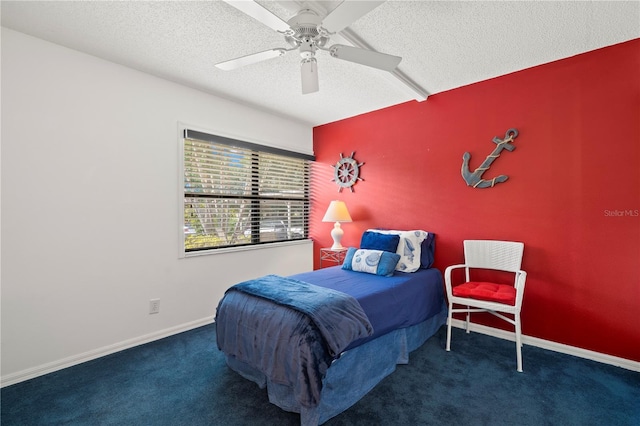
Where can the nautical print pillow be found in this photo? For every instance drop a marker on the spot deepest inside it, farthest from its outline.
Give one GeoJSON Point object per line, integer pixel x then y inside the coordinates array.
{"type": "Point", "coordinates": [376, 262]}
{"type": "Point", "coordinates": [409, 248]}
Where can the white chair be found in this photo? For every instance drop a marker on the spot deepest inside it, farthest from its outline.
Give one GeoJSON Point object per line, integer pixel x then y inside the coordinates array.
{"type": "Point", "coordinates": [497, 299]}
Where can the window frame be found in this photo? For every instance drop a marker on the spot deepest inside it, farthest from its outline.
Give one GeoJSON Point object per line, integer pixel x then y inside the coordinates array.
{"type": "Point", "coordinates": [190, 132]}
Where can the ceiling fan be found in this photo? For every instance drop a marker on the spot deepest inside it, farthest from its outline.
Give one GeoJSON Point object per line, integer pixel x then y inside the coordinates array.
{"type": "Point", "coordinates": [308, 32]}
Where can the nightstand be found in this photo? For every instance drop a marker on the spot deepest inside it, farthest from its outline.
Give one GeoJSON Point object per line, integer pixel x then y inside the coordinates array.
{"type": "Point", "coordinates": [332, 255]}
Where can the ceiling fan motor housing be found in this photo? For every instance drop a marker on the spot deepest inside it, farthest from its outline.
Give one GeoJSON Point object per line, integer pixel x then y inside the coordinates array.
{"type": "Point", "coordinates": [306, 22]}
{"type": "Point", "coordinates": [306, 33]}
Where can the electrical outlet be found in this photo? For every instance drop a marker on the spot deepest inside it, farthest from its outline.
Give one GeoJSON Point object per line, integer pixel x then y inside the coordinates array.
{"type": "Point", "coordinates": [154, 306]}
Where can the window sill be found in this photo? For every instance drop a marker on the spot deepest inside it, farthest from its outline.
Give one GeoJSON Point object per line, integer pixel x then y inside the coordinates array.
{"type": "Point", "coordinates": [244, 248]}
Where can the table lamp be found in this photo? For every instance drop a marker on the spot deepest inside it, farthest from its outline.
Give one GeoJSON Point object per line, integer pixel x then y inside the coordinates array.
{"type": "Point", "coordinates": [337, 212]}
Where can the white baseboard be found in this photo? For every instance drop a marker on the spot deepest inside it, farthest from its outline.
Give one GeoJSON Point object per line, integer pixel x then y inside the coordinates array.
{"type": "Point", "coordinates": [552, 346]}
{"type": "Point", "coordinates": [41, 370]}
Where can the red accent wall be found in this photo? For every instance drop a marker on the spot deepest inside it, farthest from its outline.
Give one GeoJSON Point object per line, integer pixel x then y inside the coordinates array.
{"type": "Point", "coordinates": [573, 194]}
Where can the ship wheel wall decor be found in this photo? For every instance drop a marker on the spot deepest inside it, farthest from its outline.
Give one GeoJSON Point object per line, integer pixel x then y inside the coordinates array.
{"type": "Point", "coordinates": [346, 172]}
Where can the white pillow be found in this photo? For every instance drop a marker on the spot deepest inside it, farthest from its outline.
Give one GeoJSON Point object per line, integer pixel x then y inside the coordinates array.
{"type": "Point", "coordinates": [409, 248]}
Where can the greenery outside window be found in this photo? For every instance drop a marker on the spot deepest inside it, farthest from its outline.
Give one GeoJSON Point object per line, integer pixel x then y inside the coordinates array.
{"type": "Point", "coordinates": [238, 193]}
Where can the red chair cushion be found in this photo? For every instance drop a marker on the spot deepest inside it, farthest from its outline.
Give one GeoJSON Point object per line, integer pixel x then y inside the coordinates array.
{"type": "Point", "coordinates": [491, 292]}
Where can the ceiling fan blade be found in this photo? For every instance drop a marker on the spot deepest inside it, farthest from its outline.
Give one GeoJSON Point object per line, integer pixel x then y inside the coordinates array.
{"type": "Point", "coordinates": [250, 59]}
{"type": "Point", "coordinates": [347, 13]}
{"type": "Point", "coordinates": [260, 14]}
{"type": "Point", "coordinates": [365, 57]}
{"type": "Point", "coordinates": [309, 71]}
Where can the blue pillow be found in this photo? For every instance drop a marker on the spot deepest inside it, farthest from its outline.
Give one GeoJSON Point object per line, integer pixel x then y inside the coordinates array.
{"type": "Point", "coordinates": [377, 241]}
{"type": "Point", "coordinates": [370, 261]}
{"type": "Point", "coordinates": [428, 249]}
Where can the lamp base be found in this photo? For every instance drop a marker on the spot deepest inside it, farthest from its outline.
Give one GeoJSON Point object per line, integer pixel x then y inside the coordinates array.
{"type": "Point", "coordinates": [336, 234]}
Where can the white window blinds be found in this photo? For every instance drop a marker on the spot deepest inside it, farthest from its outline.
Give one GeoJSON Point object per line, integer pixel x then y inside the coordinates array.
{"type": "Point", "coordinates": [238, 193]}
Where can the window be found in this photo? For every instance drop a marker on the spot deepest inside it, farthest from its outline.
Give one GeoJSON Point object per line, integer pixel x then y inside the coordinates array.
{"type": "Point", "coordinates": [237, 193]}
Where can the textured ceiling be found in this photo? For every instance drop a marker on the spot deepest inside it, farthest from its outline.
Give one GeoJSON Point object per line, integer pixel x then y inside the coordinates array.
{"type": "Point", "coordinates": [444, 45]}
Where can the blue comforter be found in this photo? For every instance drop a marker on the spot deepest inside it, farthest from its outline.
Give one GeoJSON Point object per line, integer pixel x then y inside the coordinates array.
{"type": "Point", "coordinates": [292, 346]}
{"type": "Point", "coordinates": [403, 300]}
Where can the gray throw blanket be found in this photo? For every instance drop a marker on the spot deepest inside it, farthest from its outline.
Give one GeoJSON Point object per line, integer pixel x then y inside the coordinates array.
{"type": "Point", "coordinates": [292, 343]}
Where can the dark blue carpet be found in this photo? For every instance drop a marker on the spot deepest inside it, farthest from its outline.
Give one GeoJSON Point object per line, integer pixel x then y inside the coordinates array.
{"type": "Point", "coordinates": [183, 380]}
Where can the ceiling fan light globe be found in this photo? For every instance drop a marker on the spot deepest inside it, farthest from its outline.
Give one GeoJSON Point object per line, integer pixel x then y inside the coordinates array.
{"type": "Point", "coordinates": [309, 72]}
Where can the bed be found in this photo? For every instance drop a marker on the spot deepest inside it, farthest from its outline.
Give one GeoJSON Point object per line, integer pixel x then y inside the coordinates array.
{"type": "Point", "coordinates": [320, 340]}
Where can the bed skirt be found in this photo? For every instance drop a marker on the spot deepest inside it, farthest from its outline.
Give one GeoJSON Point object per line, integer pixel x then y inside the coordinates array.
{"type": "Point", "coordinates": [351, 376]}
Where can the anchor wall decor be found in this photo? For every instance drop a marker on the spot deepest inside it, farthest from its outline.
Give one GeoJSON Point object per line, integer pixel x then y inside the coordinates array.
{"type": "Point", "coordinates": [475, 178]}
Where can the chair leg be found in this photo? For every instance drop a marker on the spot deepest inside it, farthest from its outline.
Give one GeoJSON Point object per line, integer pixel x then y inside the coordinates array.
{"type": "Point", "coordinates": [450, 316]}
{"type": "Point", "coordinates": [466, 326]}
{"type": "Point", "coordinates": [518, 342]}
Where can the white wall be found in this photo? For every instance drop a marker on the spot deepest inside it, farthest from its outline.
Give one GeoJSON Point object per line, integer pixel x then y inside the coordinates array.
{"type": "Point", "coordinates": [90, 207]}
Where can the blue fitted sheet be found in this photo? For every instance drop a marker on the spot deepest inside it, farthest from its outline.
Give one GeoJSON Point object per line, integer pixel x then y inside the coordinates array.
{"type": "Point", "coordinates": [390, 303]}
